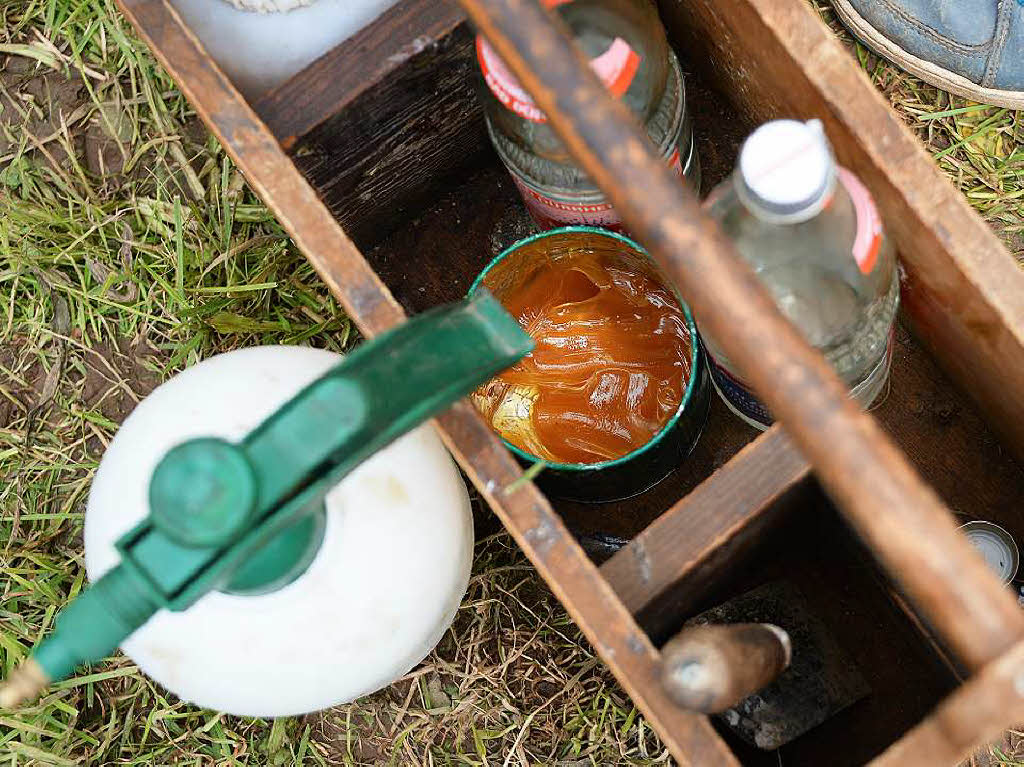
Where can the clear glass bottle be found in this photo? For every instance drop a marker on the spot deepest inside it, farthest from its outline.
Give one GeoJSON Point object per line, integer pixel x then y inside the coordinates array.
{"type": "Point", "coordinates": [627, 48]}
{"type": "Point", "coordinates": [812, 234]}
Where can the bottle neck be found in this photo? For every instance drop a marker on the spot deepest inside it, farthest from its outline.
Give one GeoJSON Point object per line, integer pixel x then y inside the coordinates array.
{"type": "Point", "coordinates": [771, 212]}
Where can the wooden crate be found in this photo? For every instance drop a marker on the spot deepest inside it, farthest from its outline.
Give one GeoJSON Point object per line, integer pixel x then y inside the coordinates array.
{"type": "Point", "coordinates": [380, 144]}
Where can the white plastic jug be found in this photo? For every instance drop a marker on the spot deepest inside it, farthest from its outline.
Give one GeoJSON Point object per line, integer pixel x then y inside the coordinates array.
{"type": "Point", "coordinates": [384, 587]}
{"type": "Point", "coordinates": [259, 49]}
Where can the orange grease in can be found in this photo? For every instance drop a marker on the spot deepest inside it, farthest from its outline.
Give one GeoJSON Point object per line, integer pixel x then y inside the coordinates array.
{"type": "Point", "coordinates": [611, 363]}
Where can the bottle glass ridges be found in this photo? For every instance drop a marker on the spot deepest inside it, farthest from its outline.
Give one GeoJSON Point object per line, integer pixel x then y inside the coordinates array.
{"type": "Point", "coordinates": [626, 45]}
{"type": "Point", "coordinates": [813, 236]}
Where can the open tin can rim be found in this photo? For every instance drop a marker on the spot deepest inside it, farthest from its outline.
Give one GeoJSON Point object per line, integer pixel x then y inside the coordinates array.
{"type": "Point", "coordinates": [1004, 535]}
{"type": "Point", "coordinates": [691, 384]}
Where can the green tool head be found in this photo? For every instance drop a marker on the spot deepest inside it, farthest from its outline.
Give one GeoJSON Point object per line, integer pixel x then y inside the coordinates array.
{"type": "Point", "coordinates": [203, 493]}
{"type": "Point", "coordinates": [248, 517]}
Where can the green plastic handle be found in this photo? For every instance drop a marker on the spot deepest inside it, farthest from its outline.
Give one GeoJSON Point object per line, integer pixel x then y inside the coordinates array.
{"type": "Point", "coordinates": [246, 514]}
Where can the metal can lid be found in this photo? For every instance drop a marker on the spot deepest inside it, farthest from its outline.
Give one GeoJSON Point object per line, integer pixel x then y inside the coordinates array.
{"type": "Point", "coordinates": [996, 545]}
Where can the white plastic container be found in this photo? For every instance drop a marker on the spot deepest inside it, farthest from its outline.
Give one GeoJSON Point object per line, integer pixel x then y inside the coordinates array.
{"type": "Point", "coordinates": [385, 585]}
{"type": "Point", "coordinates": [260, 49]}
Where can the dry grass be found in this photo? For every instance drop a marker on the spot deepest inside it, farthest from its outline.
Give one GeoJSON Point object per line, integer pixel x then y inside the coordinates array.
{"type": "Point", "coordinates": [513, 682]}
{"type": "Point", "coordinates": [131, 247]}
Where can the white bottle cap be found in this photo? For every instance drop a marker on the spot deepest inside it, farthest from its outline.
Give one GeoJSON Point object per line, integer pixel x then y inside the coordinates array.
{"type": "Point", "coordinates": [786, 169]}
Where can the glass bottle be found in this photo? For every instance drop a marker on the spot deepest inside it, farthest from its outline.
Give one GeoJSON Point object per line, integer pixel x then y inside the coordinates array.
{"type": "Point", "coordinates": [811, 232]}
{"type": "Point", "coordinates": [626, 44]}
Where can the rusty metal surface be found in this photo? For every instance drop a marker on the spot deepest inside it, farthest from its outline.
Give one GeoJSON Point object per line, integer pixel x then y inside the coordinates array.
{"type": "Point", "coordinates": [903, 521]}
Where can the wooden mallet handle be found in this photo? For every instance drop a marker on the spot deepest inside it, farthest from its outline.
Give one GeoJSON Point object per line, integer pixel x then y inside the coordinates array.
{"type": "Point", "coordinates": [710, 668]}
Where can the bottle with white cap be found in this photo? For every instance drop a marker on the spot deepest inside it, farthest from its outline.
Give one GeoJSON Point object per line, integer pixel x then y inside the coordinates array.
{"type": "Point", "coordinates": [812, 233]}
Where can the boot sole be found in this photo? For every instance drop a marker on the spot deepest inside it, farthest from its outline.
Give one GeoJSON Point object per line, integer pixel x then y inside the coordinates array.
{"type": "Point", "coordinates": [926, 70]}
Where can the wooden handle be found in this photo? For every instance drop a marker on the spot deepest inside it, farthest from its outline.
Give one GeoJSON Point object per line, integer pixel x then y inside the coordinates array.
{"type": "Point", "coordinates": [711, 668]}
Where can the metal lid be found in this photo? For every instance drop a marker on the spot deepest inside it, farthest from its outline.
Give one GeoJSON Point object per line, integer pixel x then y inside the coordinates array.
{"type": "Point", "coordinates": [996, 545]}
{"type": "Point", "coordinates": [786, 169]}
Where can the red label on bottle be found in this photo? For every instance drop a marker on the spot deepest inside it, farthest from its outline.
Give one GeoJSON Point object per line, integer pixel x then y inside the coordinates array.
{"type": "Point", "coordinates": [616, 68]}
{"type": "Point", "coordinates": [549, 212]}
{"type": "Point", "coordinates": [675, 161]}
{"type": "Point", "coordinates": [868, 238]}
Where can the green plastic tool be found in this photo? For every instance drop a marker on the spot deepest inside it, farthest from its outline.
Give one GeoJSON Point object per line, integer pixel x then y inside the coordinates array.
{"type": "Point", "coordinates": [249, 517]}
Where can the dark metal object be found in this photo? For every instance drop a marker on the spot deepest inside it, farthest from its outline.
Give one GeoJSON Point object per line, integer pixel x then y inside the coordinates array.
{"type": "Point", "coordinates": [821, 679]}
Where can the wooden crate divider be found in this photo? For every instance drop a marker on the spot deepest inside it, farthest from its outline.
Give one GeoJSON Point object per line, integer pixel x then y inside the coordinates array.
{"type": "Point", "coordinates": [705, 529]}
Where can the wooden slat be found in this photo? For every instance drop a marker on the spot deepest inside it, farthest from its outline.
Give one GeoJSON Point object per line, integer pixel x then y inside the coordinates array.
{"type": "Point", "coordinates": [722, 513]}
{"type": "Point", "coordinates": [901, 518]}
{"type": "Point", "coordinates": [362, 62]}
{"type": "Point", "coordinates": [384, 119]}
{"type": "Point", "coordinates": [962, 289]}
{"type": "Point", "coordinates": [975, 714]}
{"type": "Point", "coordinates": [527, 514]}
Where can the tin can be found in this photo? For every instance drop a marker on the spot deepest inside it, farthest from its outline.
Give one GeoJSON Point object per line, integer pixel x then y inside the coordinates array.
{"type": "Point", "coordinates": [558, 194]}
{"type": "Point", "coordinates": [996, 545]}
{"type": "Point", "coordinates": [647, 465]}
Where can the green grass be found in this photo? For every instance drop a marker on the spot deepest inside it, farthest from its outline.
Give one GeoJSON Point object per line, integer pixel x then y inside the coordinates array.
{"type": "Point", "coordinates": [981, 148]}
{"type": "Point", "coordinates": [130, 247]}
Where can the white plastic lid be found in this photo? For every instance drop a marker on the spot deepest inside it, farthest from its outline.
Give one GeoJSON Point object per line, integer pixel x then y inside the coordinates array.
{"type": "Point", "coordinates": [786, 167]}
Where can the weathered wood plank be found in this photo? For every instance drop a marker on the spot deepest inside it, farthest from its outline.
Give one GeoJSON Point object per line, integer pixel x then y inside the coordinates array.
{"type": "Point", "coordinates": [384, 119]}
{"type": "Point", "coordinates": [665, 566]}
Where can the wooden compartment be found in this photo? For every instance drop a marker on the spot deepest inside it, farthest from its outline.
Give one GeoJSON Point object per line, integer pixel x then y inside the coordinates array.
{"type": "Point", "coordinates": [433, 259]}
{"type": "Point", "coordinates": [809, 549]}
{"type": "Point", "coordinates": [386, 118]}
{"type": "Point", "coordinates": [387, 131]}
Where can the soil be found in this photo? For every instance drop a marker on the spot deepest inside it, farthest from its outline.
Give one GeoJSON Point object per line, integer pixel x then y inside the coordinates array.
{"type": "Point", "coordinates": [38, 102]}
{"type": "Point", "coordinates": [116, 376]}
{"type": "Point", "coordinates": [109, 378]}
